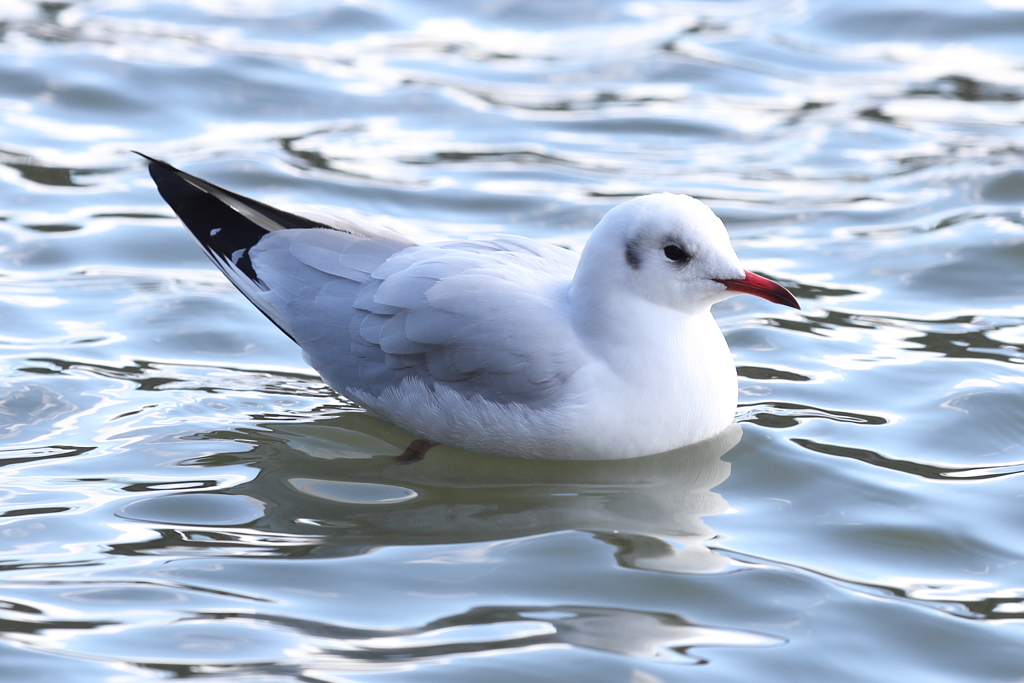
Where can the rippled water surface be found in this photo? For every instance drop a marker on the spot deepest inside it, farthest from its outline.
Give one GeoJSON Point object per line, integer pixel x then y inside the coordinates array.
{"type": "Point", "coordinates": [182, 497]}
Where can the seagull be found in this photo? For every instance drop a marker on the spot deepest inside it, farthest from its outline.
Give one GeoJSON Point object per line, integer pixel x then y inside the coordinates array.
{"type": "Point", "coordinates": [507, 346]}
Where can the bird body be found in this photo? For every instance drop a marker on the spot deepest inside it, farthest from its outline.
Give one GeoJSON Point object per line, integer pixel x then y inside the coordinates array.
{"type": "Point", "coordinates": [507, 346]}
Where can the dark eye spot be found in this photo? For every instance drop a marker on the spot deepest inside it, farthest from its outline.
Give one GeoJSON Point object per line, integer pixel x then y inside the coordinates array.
{"type": "Point", "coordinates": [677, 254]}
{"type": "Point", "coordinates": [633, 254]}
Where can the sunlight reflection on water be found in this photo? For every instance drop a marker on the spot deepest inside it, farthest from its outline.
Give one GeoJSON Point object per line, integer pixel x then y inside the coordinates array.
{"type": "Point", "coordinates": [181, 497]}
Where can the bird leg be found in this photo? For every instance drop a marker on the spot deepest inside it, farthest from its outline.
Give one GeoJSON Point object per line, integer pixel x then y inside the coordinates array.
{"type": "Point", "coordinates": [415, 452]}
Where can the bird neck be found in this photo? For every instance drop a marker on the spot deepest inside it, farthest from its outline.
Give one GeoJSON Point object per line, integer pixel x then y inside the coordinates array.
{"type": "Point", "coordinates": [615, 323]}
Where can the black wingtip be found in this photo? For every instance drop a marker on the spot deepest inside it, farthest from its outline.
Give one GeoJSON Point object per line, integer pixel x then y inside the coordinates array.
{"type": "Point", "coordinates": [162, 172]}
{"type": "Point", "coordinates": [153, 160]}
{"type": "Point", "coordinates": [224, 232]}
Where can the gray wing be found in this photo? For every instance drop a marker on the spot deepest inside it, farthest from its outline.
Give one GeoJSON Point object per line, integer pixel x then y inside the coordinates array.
{"type": "Point", "coordinates": [228, 226]}
{"type": "Point", "coordinates": [370, 308]}
{"type": "Point", "coordinates": [482, 317]}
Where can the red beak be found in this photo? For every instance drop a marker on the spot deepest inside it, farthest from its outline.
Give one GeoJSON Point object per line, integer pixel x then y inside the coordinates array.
{"type": "Point", "coordinates": [762, 287]}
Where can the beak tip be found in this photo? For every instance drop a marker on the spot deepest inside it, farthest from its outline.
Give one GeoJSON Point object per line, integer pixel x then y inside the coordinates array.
{"type": "Point", "coordinates": [764, 288]}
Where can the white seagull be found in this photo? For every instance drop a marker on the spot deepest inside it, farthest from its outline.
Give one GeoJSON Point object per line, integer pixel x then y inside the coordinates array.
{"type": "Point", "coordinates": [507, 345]}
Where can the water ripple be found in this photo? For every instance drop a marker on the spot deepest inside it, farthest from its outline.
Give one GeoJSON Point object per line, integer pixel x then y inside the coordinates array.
{"type": "Point", "coordinates": [182, 497]}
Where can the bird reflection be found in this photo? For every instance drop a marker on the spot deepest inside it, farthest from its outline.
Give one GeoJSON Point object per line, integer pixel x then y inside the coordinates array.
{"type": "Point", "coordinates": [331, 488]}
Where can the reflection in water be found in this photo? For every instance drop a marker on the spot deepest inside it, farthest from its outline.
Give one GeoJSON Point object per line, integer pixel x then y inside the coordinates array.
{"type": "Point", "coordinates": [322, 498]}
{"type": "Point", "coordinates": [238, 640]}
{"type": "Point", "coordinates": [28, 405]}
{"type": "Point", "coordinates": [330, 489]}
{"type": "Point", "coordinates": [926, 470]}
{"type": "Point", "coordinates": [181, 498]}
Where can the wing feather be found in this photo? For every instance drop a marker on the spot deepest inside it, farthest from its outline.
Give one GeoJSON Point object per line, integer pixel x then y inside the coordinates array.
{"type": "Point", "coordinates": [479, 320]}
{"type": "Point", "coordinates": [371, 309]}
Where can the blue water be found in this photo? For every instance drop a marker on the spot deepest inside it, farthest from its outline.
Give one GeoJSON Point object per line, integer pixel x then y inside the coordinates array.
{"type": "Point", "coordinates": [180, 497]}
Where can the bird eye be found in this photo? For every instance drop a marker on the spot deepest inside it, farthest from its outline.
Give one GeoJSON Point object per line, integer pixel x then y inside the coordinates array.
{"type": "Point", "coordinates": [676, 254]}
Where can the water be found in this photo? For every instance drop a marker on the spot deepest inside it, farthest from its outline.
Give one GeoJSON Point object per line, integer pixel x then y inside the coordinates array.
{"type": "Point", "coordinates": [182, 498]}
